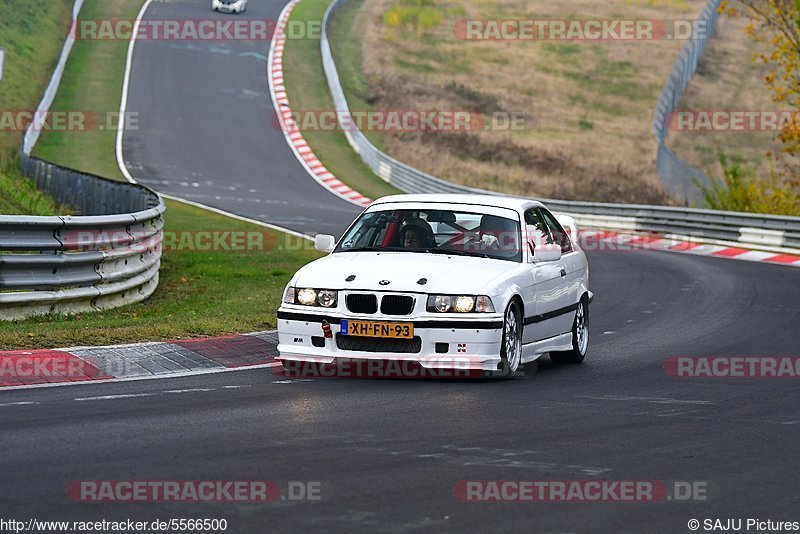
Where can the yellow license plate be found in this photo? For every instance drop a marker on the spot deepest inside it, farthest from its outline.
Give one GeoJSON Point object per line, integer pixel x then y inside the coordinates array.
{"type": "Point", "coordinates": [377, 329]}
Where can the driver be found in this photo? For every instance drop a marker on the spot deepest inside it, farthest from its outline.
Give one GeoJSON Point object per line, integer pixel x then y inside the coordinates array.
{"type": "Point", "coordinates": [417, 234]}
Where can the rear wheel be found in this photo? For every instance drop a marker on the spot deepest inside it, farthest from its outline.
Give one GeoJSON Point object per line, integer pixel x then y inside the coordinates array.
{"type": "Point", "coordinates": [580, 337]}
{"type": "Point", "coordinates": [511, 342]}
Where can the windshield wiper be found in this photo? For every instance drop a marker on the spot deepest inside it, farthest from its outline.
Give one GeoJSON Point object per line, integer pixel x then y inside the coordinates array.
{"type": "Point", "coordinates": [455, 252]}
{"type": "Point", "coordinates": [449, 252]}
{"type": "Point", "coordinates": [369, 249]}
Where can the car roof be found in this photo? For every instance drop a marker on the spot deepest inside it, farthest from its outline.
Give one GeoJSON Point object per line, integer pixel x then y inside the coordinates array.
{"type": "Point", "coordinates": [514, 203]}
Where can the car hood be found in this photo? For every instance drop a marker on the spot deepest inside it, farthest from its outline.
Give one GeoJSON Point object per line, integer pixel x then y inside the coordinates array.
{"type": "Point", "coordinates": [445, 274]}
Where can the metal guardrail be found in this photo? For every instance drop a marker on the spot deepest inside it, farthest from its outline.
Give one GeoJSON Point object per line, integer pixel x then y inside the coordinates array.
{"type": "Point", "coordinates": [677, 176]}
{"type": "Point", "coordinates": [757, 230]}
{"type": "Point", "coordinates": [766, 231]}
{"type": "Point", "coordinates": [87, 194]}
{"type": "Point", "coordinates": [107, 255]}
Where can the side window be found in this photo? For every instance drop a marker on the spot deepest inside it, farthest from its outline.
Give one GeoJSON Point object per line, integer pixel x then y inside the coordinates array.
{"type": "Point", "coordinates": [560, 235]}
{"type": "Point", "coordinates": [536, 230]}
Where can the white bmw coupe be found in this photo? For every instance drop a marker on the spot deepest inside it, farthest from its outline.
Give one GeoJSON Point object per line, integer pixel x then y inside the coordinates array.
{"type": "Point", "coordinates": [229, 6]}
{"type": "Point", "coordinates": [448, 281]}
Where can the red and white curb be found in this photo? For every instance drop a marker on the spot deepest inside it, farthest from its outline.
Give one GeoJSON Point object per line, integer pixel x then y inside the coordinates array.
{"type": "Point", "coordinates": [288, 126]}
{"type": "Point", "coordinates": [138, 361]}
{"type": "Point", "coordinates": [605, 240]}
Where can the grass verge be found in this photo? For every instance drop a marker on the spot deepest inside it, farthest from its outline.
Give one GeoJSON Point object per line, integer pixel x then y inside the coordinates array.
{"type": "Point", "coordinates": [32, 34]}
{"type": "Point", "coordinates": [201, 293]}
{"type": "Point", "coordinates": [308, 91]}
{"type": "Point", "coordinates": [346, 48]}
{"type": "Point", "coordinates": [19, 196]}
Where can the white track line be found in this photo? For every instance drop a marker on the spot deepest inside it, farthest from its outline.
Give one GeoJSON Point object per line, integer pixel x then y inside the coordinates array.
{"type": "Point", "coordinates": [238, 217]}
{"type": "Point", "coordinates": [123, 104]}
{"type": "Point", "coordinates": [114, 397]}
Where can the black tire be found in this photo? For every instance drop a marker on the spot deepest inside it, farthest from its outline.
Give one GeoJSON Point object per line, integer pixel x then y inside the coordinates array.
{"type": "Point", "coordinates": [511, 357]}
{"type": "Point", "coordinates": [580, 345]}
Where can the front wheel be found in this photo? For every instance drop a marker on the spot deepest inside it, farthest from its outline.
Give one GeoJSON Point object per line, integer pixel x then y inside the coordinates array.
{"type": "Point", "coordinates": [511, 342]}
{"type": "Point", "coordinates": [580, 337]}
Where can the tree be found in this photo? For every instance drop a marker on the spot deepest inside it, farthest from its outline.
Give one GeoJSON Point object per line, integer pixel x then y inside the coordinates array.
{"type": "Point", "coordinates": [776, 25]}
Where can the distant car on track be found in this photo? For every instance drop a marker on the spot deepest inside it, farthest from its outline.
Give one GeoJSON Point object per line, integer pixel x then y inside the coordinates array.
{"type": "Point", "coordinates": [448, 281]}
{"type": "Point", "coordinates": [229, 6]}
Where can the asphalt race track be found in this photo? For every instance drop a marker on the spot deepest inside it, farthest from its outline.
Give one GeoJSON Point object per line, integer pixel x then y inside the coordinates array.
{"type": "Point", "coordinates": [205, 129]}
{"type": "Point", "coordinates": [388, 452]}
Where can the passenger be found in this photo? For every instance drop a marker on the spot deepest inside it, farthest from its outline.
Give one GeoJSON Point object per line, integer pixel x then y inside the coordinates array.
{"type": "Point", "coordinates": [498, 233]}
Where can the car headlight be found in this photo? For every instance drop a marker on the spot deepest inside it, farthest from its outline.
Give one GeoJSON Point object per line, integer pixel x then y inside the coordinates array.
{"type": "Point", "coordinates": [460, 304]}
{"type": "Point", "coordinates": [311, 297]}
{"type": "Point", "coordinates": [307, 297]}
{"type": "Point", "coordinates": [326, 298]}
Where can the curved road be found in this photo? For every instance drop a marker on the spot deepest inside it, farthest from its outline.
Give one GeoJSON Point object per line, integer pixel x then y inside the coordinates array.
{"type": "Point", "coordinates": [205, 130]}
{"type": "Point", "coordinates": [389, 452]}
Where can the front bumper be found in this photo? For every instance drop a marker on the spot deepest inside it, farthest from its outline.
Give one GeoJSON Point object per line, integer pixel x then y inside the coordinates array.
{"type": "Point", "coordinates": [472, 344]}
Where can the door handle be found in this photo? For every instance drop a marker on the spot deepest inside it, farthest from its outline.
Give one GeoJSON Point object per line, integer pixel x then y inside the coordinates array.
{"type": "Point", "coordinates": [563, 272]}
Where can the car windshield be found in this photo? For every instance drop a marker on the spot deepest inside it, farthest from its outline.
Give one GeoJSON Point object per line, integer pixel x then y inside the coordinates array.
{"type": "Point", "coordinates": [435, 231]}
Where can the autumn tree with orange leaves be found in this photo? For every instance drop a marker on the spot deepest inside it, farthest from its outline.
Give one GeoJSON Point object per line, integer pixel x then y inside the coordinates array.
{"type": "Point", "coordinates": [776, 25]}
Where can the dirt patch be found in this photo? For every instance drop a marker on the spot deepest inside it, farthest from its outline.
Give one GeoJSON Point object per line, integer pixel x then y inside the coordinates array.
{"type": "Point", "coordinates": [486, 159]}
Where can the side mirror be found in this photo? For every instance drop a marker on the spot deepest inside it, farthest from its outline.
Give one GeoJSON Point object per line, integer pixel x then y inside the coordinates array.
{"type": "Point", "coordinates": [324, 243]}
{"type": "Point", "coordinates": [547, 253]}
